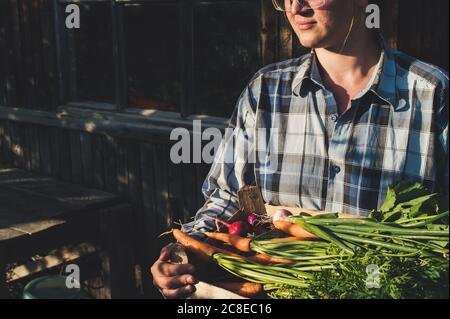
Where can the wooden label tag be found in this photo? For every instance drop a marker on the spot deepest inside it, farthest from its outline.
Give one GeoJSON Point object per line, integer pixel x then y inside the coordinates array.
{"type": "Point", "coordinates": [251, 201]}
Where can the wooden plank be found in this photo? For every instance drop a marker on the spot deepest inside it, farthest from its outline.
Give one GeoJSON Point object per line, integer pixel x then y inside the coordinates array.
{"type": "Point", "coordinates": [186, 33]}
{"type": "Point", "coordinates": [56, 258]}
{"type": "Point", "coordinates": [4, 26]}
{"type": "Point", "coordinates": [3, 288]}
{"type": "Point", "coordinates": [64, 149]}
{"type": "Point", "coordinates": [122, 169]}
{"type": "Point", "coordinates": [37, 72]}
{"type": "Point", "coordinates": [7, 153]}
{"type": "Point", "coordinates": [269, 27]}
{"type": "Point", "coordinates": [164, 214]}
{"type": "Point", "coordinates": [117, 253]}
{"type": "Point", "coordinates": [26, 35]}
{"type": "Point", "coordinates": [141, 245]}
{"type": "Point", "coordinates": [190, 191]}
{"type": "Point", "coordinates": [110, 164]}
{"type": "Point", "coordinates": [75, 155]}
{"type": "Point", "coordinates": [33, 140]}
{"type": "Point", "coordinates": [150, 254]}
{"type": "Point", "coordinates": [285, 39]}
{"type": "Point", "coordinates": [48, 45]}
{"type": "Point", "coordinates": [52, 189]}
{"type": "Point", "coordinates": [26, 144]}
{"type": "Point", "coordinates": [44, 150]}
{"type": "Point", "coordinates": [87, 158]}
{"type": "Point", "coordinates": [176, 192]}
{"type": "Point", "coordinates": [55, 153]}
{"type": "Point", "coordinates": [7, 234]}
{"type": "Point", "coordinates": [20, 205]}
{"type": "Point", "coordinates": [16, 148]}
{"type": "Point", "coordinates": [136, 127]}
{"type": "Point", "coordinates": [9, 55]}
{"type": "Point", "coordinates": [2, 133]}
{"type": "Point", "coordinates": [2, 142]}
{"type": "Point", "coordinates": [118, 56]}
{"type": "Point", "coordinates": [18, 56]}
{"type": "Point", "coordinates": [98, 161]}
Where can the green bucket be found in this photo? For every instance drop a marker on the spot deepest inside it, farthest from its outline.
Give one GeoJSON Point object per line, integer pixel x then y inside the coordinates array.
{"type": "Point", "coordinates": [51, 287]}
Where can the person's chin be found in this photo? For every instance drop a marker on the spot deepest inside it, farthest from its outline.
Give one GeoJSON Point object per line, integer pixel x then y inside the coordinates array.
{"type": "Point", "coordinates": [309, 41]}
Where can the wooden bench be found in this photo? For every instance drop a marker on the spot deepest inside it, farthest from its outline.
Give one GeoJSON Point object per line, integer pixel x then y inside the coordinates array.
{"type": "Point", "coordinates": [41, 214]}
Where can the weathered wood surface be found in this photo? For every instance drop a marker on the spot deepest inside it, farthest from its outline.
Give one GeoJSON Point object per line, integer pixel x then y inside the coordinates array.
{"type": "Point", "coordinates": [56, 258]}
{"type": "Point", "coordinates": [30, 203]}
{"type": "Point", "coordinates": [39, 213]}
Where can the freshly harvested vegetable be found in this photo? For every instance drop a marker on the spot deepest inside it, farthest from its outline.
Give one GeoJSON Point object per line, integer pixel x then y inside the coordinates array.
{"type": "Point", "coordinates": [244, 289]}
{"type": "Point", "coordinates": [398, 278]}
{"type": "Point", "coordinates": [202, 250]}
{"type": "Point", "coordinates": [252, 219]}
{"type": "Point", "coordinates": [258, 273]}
{"type": "Point", "coordinates": [281, 215]}
{"type": "Point", "coordinates": [293, 229]}
{"type": "Point", "coordinates": [239, 228]}
{"type": "Point", "coordinates": [240, 243]}
{"type": "Point", "coordinates": [407, 238]}
{"type": "Point", "coordinates": [269, 260]}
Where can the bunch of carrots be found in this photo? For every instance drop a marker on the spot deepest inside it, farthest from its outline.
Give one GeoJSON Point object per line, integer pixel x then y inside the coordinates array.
{"type": "Point", "coordinates": [248, 251]}
{"type": "Point", "coordinates": [411, 222]}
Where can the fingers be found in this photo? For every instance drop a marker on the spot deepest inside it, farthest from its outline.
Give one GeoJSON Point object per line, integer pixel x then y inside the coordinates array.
{"type": "Point", "coordinates": [170, 270]}
{"type": "Point", "coordinates": [175, 282]}
{"type": "Point", "coordinates": [178, 293]}
{"type": "Point", "coordinates": [165, 253]}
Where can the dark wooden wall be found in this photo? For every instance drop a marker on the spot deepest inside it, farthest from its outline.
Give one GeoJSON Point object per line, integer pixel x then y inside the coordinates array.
{"type": "Point", "coordinates": [161, 193]}
{"type": "Point", "coordinates": [139, 169]}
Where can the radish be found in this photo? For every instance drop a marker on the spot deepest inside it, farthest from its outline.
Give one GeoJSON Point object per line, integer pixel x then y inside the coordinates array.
{"type": "Point", "coordinates": [252, 219]}
{"type": "Point", "coordinates": [239, 228]}
{"type": "Point", "coordinates": [281, 215]}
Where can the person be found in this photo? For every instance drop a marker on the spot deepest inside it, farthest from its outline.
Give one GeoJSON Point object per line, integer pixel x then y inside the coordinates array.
{"type": "Point", "coordinates": [352, 117]}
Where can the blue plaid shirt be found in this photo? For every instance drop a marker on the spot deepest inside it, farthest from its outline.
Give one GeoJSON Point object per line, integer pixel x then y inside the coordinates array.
{"type": "Point", "coordinates": [313, 157]}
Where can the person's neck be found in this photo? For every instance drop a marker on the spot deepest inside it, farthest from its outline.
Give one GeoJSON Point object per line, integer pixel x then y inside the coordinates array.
{"type": "Point", "coordinates": [361, 53]}
{"type": "Point", "coordinates": [348, 72]}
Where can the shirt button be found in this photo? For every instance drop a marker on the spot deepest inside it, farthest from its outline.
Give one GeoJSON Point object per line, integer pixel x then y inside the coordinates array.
{"type": "Point", "coordinates": [334, 117]}
{"type": "Point", "coordinates": [336, 169]}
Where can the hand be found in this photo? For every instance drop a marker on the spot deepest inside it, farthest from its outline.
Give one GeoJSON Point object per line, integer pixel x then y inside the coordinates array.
{"type": "Point", "coordinates": [173, 280]}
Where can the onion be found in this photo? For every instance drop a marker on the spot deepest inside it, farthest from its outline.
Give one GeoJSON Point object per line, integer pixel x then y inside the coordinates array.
{"type": "Point", "coordinates": [281, 215]}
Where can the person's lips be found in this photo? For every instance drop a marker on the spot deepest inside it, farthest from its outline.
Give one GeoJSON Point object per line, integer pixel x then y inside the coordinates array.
{"type": "Point", "coordinates": [305, 25]}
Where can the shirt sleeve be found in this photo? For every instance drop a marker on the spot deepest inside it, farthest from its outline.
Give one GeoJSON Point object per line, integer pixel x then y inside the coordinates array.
{"type": "Point", "coordinates": [230, 170]}
{"type": "Point", "coordinates": [442, 151]}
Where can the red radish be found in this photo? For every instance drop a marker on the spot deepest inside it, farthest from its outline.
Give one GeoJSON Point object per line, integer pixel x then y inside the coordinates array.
{"type": "Point", "coordinates": [239, 228]}
{"type": "Point", "coordinates": [281, 215]}
{"type": "Point", "coordinates": [252, 219]}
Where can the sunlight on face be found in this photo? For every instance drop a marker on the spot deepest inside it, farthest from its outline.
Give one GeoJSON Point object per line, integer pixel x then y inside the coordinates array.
{"type": "Point", "coordinates": [321, 27]}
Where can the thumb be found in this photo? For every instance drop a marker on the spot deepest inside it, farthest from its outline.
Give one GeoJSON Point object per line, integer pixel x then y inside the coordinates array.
{"type": "Point", "coordinates": [165, 253]}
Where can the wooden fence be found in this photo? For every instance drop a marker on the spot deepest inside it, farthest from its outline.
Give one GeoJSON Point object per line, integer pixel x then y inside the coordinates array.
{"type": "Point", "coordinates": [134, 160]}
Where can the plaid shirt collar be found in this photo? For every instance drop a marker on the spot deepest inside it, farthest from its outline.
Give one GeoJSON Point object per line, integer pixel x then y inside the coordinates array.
{"type": "Point", "coordinates": [382, 84]}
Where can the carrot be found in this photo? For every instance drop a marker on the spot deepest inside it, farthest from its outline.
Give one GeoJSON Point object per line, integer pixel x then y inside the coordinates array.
{"type": "Point", "coordinates": [200, 249]}
{"type": "Point", "coordinates": [225, 238]}
{"type": "Point", "coordinates": [244, 289]}
{"type": "Point", "coordinates": [240, 243]}
{"type": "Point", "coordinates": [268, 260]}
{"type": "Point", "coordinates": [293, 230]}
